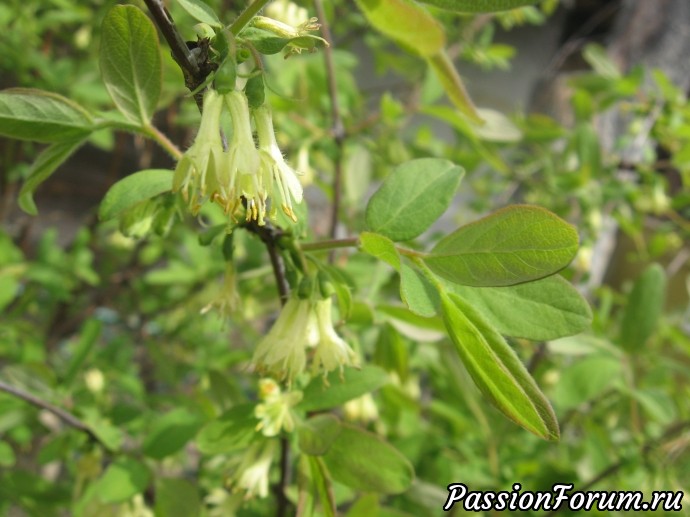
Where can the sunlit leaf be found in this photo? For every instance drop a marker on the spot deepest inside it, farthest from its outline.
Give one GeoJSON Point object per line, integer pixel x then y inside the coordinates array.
{"type": "Point", "coordinates": [131, 62]}
{"type": "Point", "coordinates": [496, 369]}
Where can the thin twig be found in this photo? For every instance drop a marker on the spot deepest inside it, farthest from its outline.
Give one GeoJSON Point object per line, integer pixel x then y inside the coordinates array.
{"type": "Point", "coordinates": [63, 415]}
{"type": "Point", "coordinates": [337, 129]}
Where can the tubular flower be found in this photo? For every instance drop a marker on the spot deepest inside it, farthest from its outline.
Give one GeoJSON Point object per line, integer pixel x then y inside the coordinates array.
{"type": "Point", "coordinates": [239, 175]}
{"type": "Point", "coordinates": [280, 179]}
{"type": "Point", "coordinates": [254, 468]}
{"type": "Point", "coordinates": [303, 324]}
{"type": "Point", "coordinates": [195, 174]}
{"type": "Point", "coordinates": [275, 410]}
{"type": "Point", "coordinates": [282, 352]}
{"type": "Point", "coordinates": [331, 351]}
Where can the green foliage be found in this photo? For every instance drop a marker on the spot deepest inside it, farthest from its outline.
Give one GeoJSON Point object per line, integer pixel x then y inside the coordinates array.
{"type": "Point", "coordinates": [412, 198]}
{"type": "Point", "coordinates": [131, 63]}
{"type": "Point", "coordinates": [516, 244]}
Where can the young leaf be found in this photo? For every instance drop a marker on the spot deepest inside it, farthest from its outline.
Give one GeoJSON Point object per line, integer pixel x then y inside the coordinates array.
{"type": "Point", "coordinates": [412, 197]}
{"type": "Point", "coordinates": [363, 461]}
{"type": "Point", "coordinates": [453, 85]}
{"type": "Point", "coordinates": [645, 305]}
{"type": "Point", "coordinates": [133, 189]}
{"type": "Point", "coordinates": [28, 114]}
{"type": "Point", "coordinates": [406, 23]}
{"type": "Point", "coordinates": [354, 383]}
{"type": "Point", "coordinates": [417, 292]}
{"type": "Point", "coordinates": [546, 309]}
{"type": "Point", "coordinates": [496, 369]}
{"type": "Point", "coordinates": [479, 6]}
{"type": "Point", "coordinates": [513, 245]}
{"type": "Point", "coordinates": [380, 247]}
{"type": "Point", "coordinates": [44, 166]}
{"type": "Point", "coordinates": [201, 11]}
{"type": "Point", "coordinates": [131, 62]}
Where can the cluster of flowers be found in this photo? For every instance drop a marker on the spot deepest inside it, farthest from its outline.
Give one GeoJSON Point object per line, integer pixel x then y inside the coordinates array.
{"type": "Point", "coordinates": [208, 172]}
{"type": "Point", "coordinates": [303, 324]}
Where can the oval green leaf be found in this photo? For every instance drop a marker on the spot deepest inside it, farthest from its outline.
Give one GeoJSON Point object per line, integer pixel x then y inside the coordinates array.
{"type": "Point", "coordinates": [513, 245]}
{"type": "Point", "coordinates": [479, 6]}
{"type": "Point", "coordinates": [201, 11]}
{"type": "Point", "coordinates": [496, 369]}
{"type": "Point", "coordinates": [380, 247]}
{"type": "Point", "coordinates": [645, 305]}
{"type": "Point", "coordinates": [413, 197]}
{"type": "Point", "coordinates": [406, 23]}
{"type": "Point", "coordinates": [131, 62]}
{"type": "Point", "coordinates": [45, 165]}
{"type": "Point", "coordinates": [543, 310]}
{"type": "Point", "coordinates": [420, 296]}
{"type": "Point", "coordinates": [364, 461]}
{"type": "Point", "coordinates": [336, 391]}
{"type": "Point", "coordinates": [28, 114]}
{"type": "Point", "coordinates": [133, 189]}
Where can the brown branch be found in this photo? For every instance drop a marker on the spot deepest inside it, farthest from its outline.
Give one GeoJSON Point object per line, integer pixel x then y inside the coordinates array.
{"type": "Point", "coordinates": [63, 415]}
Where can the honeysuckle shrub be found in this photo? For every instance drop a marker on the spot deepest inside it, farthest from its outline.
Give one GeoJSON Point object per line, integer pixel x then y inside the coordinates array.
{"type": "Point", "coordinates": [221, 342]}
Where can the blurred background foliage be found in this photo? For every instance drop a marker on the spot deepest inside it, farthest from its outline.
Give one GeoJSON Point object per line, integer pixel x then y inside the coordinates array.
{"type": "Point", "coordinates": [123, 328]}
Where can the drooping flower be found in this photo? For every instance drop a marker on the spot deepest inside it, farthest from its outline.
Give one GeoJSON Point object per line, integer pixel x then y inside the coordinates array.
{"type": "Point", "coordinates": [280, 179]}
{"type": "Point", "coordinates": [275, 412]}
{"type": "Point", "coordinates": [331, 351]}
{"type": "Point", "coordinates": [195, 174]}
{"type": "Point", "coordinates": [252, 473]}
{"type": "Point", "coordinates": [282, 352]}
{"type": "Point", "coordinates": [239, 174]}
{"type": "Point", "coordinates": [301, 325]}
{"type": "Point", "coordinates": [229, 300]}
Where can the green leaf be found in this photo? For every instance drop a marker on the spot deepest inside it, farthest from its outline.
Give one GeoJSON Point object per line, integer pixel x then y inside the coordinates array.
{"type": "Point", "coordinates": [453, 86]}
{"type": "Point", "coordinates": [496, 369]}
{"type": "Point", "coordinates": [201, 11]}
{"type": "Point", "coordinates": [336, 391]}
{"type": "Point", "coordinates": [131, 62]}
{"type": "Point", "coordinates": [413, 197]}
{"type": "Point", "coordinates": [380, 247]}
{"type": "Point", "coordinates": [417, 292]}
{"type": "Point", "coordinates": [406, 23]}
{"type": "Point", "coordinates": [133, 189]}
{"type": "Point", "coordinates": [233, 430]}
{"type": "Point", "coordinates": [322, 484]}
{"type": "Point", "coordinates": [364, 461]}
{"type": "Point", "coordinates": [124, 479]}
{"type": "Point", "coordinates": [170, 433]}
{"type": "Point", "coordinates": [45, 165]}
{"type": "Point", "coordinates": [28, 114]}
{"type": "Point", "coordinates": [645, 305]}
{"type": "Point", "coordinates": [479, 6]}
{"type": "Point", "coordinates": [513, 245]}
{"type": "Point", "coordinates": [546, 309]}
{"type": "Point", "coordinates": [177, 498]}
{"type": "Point", "coordinates": [316, 434]}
